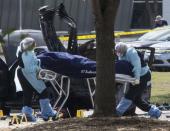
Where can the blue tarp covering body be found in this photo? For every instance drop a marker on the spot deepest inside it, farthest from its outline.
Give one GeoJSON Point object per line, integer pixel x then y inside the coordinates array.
{"type": "Point", "coordinates": [67, 64]}
{"type": "Point", "coordinates": [77, 66]}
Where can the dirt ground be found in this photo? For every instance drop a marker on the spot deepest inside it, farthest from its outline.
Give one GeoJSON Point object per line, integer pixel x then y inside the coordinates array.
{"type": "Point", "coordinates": [98, 124]}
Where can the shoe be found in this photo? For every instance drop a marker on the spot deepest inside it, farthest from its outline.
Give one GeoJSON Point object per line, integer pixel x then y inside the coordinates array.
{"type": "Point", "coordinates": [28, 111]}
{"type": "Point", "coordinates": [46, 109]}
{"type": "Point", "coordinates": [154, 112]}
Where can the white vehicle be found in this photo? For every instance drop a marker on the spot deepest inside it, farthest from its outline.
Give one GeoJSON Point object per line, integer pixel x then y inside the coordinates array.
{"type": "Point", "coordinates": [153, 37]}
{"type": "Point", "coordinates": [159, 39]}
{"type": "Point", "coordinates": [162, 55]}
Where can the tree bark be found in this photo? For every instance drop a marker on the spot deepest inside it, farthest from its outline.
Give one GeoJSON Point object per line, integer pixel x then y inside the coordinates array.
{"type": "Point", "coordinates": [105, 14]}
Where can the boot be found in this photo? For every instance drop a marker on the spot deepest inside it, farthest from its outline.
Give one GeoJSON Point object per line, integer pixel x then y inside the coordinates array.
{"type": "Point", "coordinates": [46, 109]}
{"type": "Point", "coordinates": [123, 105]}
{"type": "Point", "coordinates": [154, 112]}
{"type": "Point", "coordinates": [28, 111]}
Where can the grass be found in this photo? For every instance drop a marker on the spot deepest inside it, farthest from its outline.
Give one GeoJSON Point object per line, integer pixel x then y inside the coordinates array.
{"type": "Point", "coordinates": [160, 87]}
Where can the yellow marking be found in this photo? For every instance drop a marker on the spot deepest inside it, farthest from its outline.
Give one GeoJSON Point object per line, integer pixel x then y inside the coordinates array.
{"type": "Point", "coordinates": [18, 119]}
{"type": "Point", "coordinates": [80, 113]}
{"type": "Point", "coordinates": [23, 118]}
{"type": "Point", "coordinates": [15, 120]}
{"type": "Point", "coordinates": [1, 113]}
{"type": "Point", "coordinates": [93, 36]}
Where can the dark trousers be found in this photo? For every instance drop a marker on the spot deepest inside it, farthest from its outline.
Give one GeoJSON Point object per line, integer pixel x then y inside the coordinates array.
{"type": "Point", "coordinates": [135, 93]}
{"type": "Point", "coordinates": [28, 90]}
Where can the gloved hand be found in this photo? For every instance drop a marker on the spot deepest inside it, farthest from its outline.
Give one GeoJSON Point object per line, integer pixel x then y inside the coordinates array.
{"type": "Point", "coordinates": [136, 82]}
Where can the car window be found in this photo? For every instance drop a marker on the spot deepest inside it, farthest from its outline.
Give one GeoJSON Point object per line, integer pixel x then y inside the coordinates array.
{"type": "Point", "coordinates": [155, 35]}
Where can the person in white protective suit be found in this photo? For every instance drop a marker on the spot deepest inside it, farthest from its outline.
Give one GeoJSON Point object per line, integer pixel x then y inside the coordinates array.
{"type": "Point", "coordinates": [142, 74]}
{"type": "Point", "coordinates": [29, 66]}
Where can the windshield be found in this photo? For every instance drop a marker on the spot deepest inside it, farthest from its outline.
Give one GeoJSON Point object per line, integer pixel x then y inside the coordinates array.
{"type": "Point", "coordinates": [156, 35]}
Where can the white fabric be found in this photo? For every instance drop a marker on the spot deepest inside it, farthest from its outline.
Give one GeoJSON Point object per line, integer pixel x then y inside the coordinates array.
{"type": "Point", "coordinates": [124, 78]}
{"type": "Point", "coordinates": [18, 50]}
{"type": "Point", "coordinates": [17, 83]}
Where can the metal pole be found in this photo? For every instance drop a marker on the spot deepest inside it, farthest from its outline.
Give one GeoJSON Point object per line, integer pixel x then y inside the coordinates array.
{"type": "Point", "coordinates": [20, 14]}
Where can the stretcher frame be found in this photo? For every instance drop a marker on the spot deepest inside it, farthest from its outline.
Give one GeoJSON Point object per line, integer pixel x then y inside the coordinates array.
{"type": "Point", "coordinates": [51, 76]}
{"type": "Point", "coordinates": [119, 78]}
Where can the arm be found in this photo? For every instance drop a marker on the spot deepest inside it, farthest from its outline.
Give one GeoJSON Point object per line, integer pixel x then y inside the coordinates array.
{"type": "Point", "coordinates": [135, 61]}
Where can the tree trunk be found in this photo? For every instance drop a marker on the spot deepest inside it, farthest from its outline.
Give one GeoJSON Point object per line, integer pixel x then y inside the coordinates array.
{"type": "Point", "coordinates": [105, 14]}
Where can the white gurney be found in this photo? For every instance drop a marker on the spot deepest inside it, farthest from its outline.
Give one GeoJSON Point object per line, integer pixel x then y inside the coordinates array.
{"type": "Point", "coordinates": [120, 78]}
{"type": "Point", "coordinates": [51, 77]}
{"type": "Point", "coordinates": [124, 79]}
